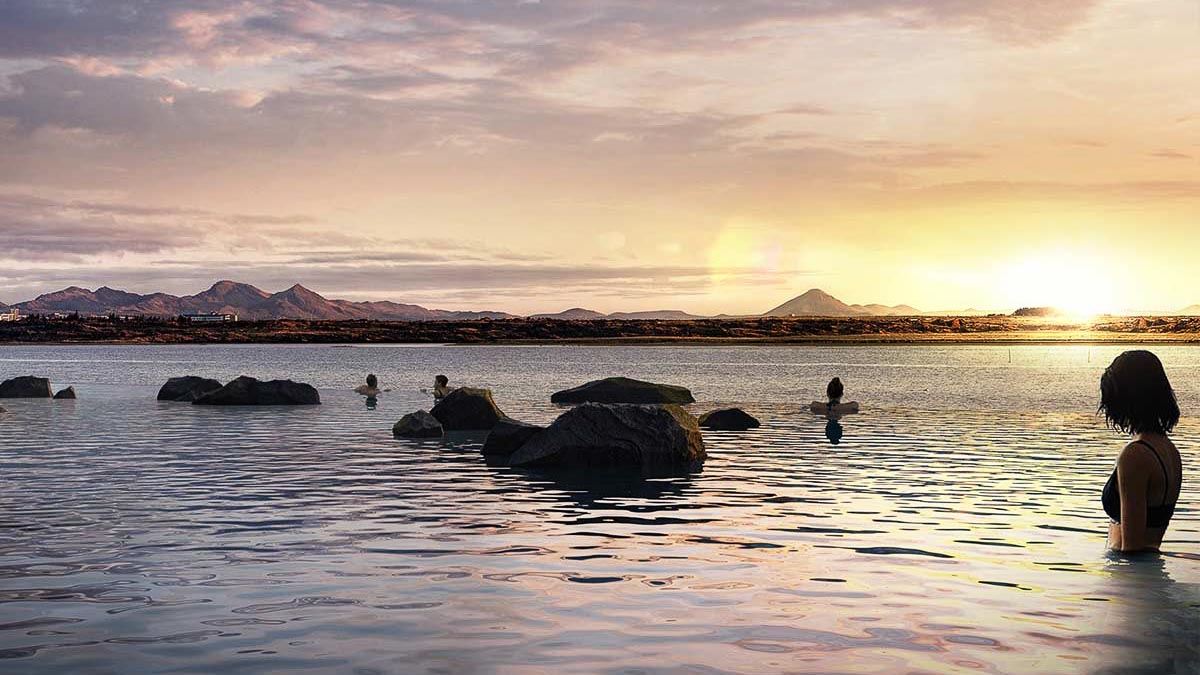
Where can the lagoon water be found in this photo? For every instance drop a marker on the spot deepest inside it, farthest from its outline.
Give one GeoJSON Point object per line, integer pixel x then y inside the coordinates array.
{"type": "Point", "coordinates": [955, 527]}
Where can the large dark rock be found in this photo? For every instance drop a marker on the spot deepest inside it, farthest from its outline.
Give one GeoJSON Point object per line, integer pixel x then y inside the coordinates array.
{"type": "Point", "coordinates": [623, 390]}
{"type": "Point", "coordinates": [418, 424]}
{"type": "Point", "coordinates": [468, 409]}
{"type": "Point", "coordinates": [508, 436]}
{"type": "Point", "coordinates": [187, 388]}
{"type": "Point", "coordinates": [68, 393]}
{"type": "Point", "coordinates": [26, 387]}
{"type": "Point", "coordinates": [599, 436]}
{"type": "Point", "coordinates": [249, 391]}
{"type": "Point", "coordinates": [729, 419]}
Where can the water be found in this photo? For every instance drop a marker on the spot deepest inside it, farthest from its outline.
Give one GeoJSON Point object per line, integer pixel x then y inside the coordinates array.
{"type": "Point", "coordinates": [955, 528]}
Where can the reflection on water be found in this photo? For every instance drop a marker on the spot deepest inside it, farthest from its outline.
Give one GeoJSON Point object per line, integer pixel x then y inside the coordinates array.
{"type": "Point", "coordinates": [834, 430]}
{"type": "Point", "coordinates": [1153, 615]}
{"type": "Point", "coordinates": [138, 536]}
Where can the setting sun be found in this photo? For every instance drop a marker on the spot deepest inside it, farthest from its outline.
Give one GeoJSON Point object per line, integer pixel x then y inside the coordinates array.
{"type": "Point", "coordinates": [1075, 282]}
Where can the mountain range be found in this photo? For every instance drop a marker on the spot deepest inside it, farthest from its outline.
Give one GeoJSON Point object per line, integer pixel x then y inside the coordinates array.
{"type": "Point", "coordinates": [231, 297]}
{"type": "Point", "coordinates": [298, 302]}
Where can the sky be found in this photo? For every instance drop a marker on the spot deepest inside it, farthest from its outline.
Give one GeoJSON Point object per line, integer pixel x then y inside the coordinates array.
{"type": "Point", "coordinates": [533, 155]}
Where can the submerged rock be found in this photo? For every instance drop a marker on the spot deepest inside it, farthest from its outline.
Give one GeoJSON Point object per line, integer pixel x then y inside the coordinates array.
{"type": "Point", "coordinates": [418, 424]}
{"type": "Point", "coordinates": [599, 436]}
{"type": "Point", "coordinates": [69, 392]}
{"type": "Point", "coordinates": [187, 388]}
{"type": "Point", "coordinates": [249, 391]}
{"type": "Point", "coordinates": [728, 419]}
{"type": "Point", "coordinates": [508, 436]}
{"type": "Point", "coordinates": [468, 409]}
{"type": "Point", "coordinates": [25, 386]}
{"type": "Point", "coordinates": [624, 390]}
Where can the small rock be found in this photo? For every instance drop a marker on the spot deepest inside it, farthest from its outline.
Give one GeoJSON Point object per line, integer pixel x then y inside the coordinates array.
{"type": "Point", "coordinates": [599, 436]}
{"type": "Point", "coordinates": [26, 387]}
{"type": "Point", "coordinates": [249, 391]}
{"type": "Point", "coordinates": [468, 409]}
{"type": "Point", "coordinates": [624, 390]}
{"type": "Point", "coordinates": [69, 392]}
{"type": "Point", "coordinates": [418, 424]}
{"type": "Point", "coordinates": [187, 388]}
{"type": "Point", "coordinates": [729, 419]}
{"type": "Point", "coordinates": [508, 436]}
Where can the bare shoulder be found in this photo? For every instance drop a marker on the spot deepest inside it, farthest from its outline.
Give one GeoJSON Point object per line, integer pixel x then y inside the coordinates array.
{"type": "Point", "coordinates": [1135, 455]}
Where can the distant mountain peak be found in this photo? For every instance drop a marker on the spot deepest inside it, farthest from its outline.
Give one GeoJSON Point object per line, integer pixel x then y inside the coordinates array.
{"type": "Point", "coordinates": [297, 289]}
{"type": "Point", "coordinates": [815, 302]}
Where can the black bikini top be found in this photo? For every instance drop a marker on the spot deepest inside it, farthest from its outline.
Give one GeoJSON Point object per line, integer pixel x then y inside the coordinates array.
{"type": "Point", "coordinates": [1156, 516]}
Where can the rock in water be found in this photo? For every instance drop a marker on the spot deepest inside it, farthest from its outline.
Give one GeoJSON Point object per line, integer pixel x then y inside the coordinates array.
{"type": "Point", "coordinates": [508, 436]}
{"type": "Point", "coordinates": [624, 390]}
{"type": "Point", "coordinates": [599, 436]}
{"type": "Point", "coordinates": [188, 388]}
{"type": "Point", "coordinates": [249, 391]}
{"type": "Point", "coordinates": [69, 392]}
{"type": "Point", "coordinates": [468, 409]}
{"type": "Point", "coordinates": [729, 419]}
{"type": "Point", "coordinates": [419, 424]}
{"type": "Point", "coordinates": [26, 387]}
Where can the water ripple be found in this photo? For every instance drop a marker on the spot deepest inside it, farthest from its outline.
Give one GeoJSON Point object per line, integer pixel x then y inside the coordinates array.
{"type": "Point", "coordinates": [138, 536]}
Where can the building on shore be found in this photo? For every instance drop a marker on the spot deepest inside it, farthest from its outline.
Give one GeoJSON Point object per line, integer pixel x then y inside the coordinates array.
{"type": "Point", "coordinates": [211, 318]}
{"type": "Point", "coordinates": [13, 314]}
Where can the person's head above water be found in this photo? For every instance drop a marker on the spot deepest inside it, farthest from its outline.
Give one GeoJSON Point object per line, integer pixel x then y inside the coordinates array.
{"type": "Point", "coordinates": [835, 389]}
{"type": "Point", "coordinates": [372, 381]}
{"type": "Point", "coordinates": [441, 380]}
{"type": "Point", "coordinates": [1135, 395]}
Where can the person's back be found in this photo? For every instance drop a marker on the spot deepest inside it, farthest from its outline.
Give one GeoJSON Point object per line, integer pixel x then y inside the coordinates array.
{"type": "Point", "coordinates": [371, 388]}
{"type": "Point", "coordinates": [834, 406]}
{"type": "Point", "coordinates": [441, 387]}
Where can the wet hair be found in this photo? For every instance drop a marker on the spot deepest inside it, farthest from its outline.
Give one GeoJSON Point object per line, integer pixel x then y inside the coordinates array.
{"type": "Point", "coordinates": [1135, 395]}
{"type": "Point", "coordinates": [442, 380]}
{"type": "Point", "coordinates": [835, 389]}
{"type": "Point", "coordinates": [372, 381]}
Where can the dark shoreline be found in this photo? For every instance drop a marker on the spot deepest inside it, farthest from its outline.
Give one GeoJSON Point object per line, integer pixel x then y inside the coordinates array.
{"type": "Point", "coordinates": [995, 330]}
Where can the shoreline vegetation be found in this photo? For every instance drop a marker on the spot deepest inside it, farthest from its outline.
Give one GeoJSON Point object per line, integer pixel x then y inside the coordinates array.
{"type": "Point", "coordinates": [754, 330]}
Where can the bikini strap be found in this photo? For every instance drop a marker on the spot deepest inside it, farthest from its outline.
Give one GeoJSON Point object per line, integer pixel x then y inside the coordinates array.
{"type": "Point", "coordinates": [1161, 463]}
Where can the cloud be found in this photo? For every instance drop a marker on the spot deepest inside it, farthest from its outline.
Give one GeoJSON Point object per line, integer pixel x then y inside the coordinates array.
{"type": "Point", "coordinates": [42, 229]}
{"type": "Point", "coordinates": [1129, 192]}
{"type": "Point", "coordinates": [517, 35]}
{"type": "Point", "coordinates": [1168, 153]}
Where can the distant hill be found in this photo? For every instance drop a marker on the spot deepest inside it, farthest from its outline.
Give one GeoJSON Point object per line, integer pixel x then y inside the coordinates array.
{"type": "Point", "coordinates": [581, 314]}
{"type": "Point", "coordinates": [1037, 312]}
{"type": "Point", "coordinates": [573, 314]}
{"type": "Point", "coordinates": [1190, 310]}
{"type": "Point", "coordinates": [657, 315]}
{"type": "Point", "coordinates": [231, 297]}
{"type": "Point", "coordinates": [817, 302]}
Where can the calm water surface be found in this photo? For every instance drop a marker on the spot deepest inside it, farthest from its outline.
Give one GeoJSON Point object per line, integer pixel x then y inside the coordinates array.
{"type": "Point", "coordinates": [956, 527]}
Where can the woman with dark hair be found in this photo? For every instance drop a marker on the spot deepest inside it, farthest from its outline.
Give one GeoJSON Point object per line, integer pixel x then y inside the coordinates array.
{"type": "Point", "coordinates": [371, 388]}
{"type": "Point", "coordinates": [834, 406]}
{"type": "Point", "coordinates": [1140, 495]}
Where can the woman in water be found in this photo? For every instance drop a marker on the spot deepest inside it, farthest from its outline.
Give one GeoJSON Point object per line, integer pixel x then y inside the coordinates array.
{"type": "Point", "coordinates": [834, 406]}
{"type": "Point", "coordinates": [371, 388]}
{"type": "Point", "coordinates": [1140, 495]}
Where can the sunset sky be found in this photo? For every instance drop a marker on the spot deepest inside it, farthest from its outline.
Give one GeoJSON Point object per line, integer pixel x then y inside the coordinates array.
{"type": "Point", "coordinates": [526, 155]}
